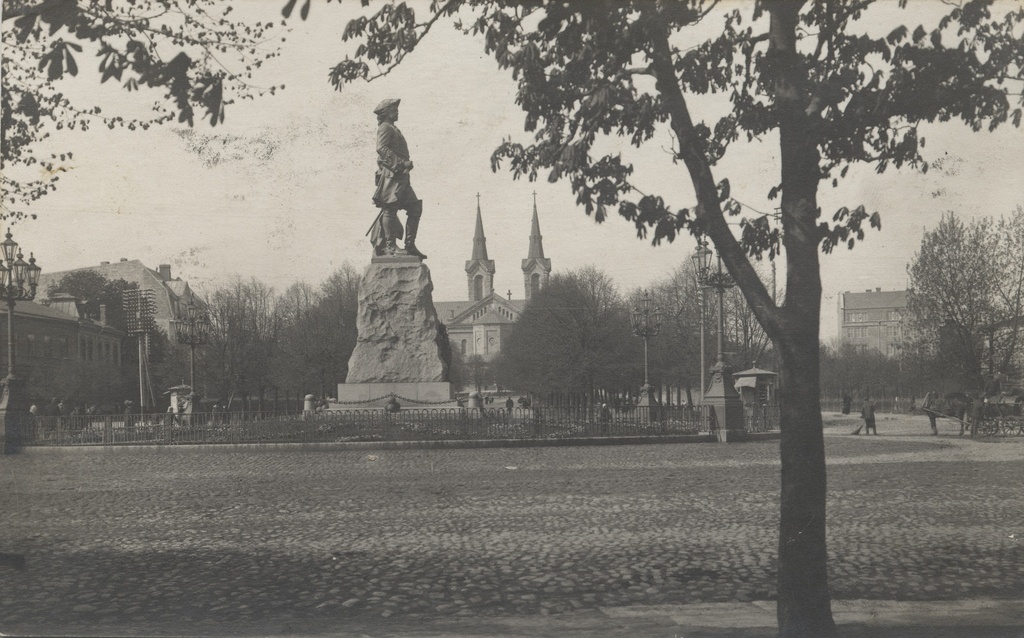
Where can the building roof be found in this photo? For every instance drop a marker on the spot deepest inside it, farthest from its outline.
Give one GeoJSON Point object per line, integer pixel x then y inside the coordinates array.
{"type": "Point", "coordinates": [875, 299]}
{"type": "Point", "coordinates": [460, 312]}
{"type": "Point", "coordinates": [39, 311]}
{"type": "Point", "coordinates": [448, 310]}
{"type": "Point", "coordinates": [32, 309]}
{"type": "Point", "coordinates": [755, 372]}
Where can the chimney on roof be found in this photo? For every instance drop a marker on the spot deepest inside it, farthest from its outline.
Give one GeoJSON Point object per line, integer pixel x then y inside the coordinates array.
{"type": "Point", "coordinates": [878, 290]}
{"type": "Point", "coordinates": [124, 259]}
{"type": "Point", "coordinates": [867, 290]}
{"type": "Point", "coordinates": [104, 263]}
{"type": "Point", "coordinates": [103, 313]}
{"type": "Point", "coordinates": [165, 271]}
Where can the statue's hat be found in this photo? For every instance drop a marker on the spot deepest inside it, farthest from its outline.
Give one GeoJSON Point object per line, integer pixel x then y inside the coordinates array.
{"type": "Point", "coordinates": [386, 104]}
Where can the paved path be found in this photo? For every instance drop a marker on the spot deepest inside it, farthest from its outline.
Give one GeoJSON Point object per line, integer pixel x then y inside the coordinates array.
{"type": "Point", "coordinates": [591, 541]}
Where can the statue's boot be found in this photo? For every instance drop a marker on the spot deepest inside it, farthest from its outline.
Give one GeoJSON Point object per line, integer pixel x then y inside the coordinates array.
{"type": "Point", "coordinates": [391, 248]}
{"type": "Point", "coordinates": [412, 224]}
{"type": "Point", "coordinates": [392, 232]}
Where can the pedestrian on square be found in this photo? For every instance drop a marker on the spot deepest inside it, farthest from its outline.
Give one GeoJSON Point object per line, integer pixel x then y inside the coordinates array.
{"type": "Point", "coordinates": [847, 402]}
{"type": "Point", "coordinates": [129, 419]}
{"type": "Point", "coordinates": [867, 412]}
{"type": "Point", "coordinates": [927, 406]}
{"type": "Point", "coordinates": [509, 404]}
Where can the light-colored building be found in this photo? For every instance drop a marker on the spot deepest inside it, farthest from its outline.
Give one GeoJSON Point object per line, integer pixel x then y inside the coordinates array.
{"type": "Point", "coordinates": [873, 320]}
{"type": "Point", "coordinates": [171, 294]}
{"type": "Point", "coordinates": [480, 324]}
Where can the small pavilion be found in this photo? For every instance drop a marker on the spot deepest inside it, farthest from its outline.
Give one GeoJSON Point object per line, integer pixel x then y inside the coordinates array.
{"type": "Point", "coordinates": [756, 386]}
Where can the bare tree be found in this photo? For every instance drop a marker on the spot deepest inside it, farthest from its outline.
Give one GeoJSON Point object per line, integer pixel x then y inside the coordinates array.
{"type": "Point", "coordinates": [954, 294]}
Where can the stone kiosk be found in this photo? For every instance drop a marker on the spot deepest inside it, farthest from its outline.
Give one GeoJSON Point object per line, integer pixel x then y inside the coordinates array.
{"type": "Point", "coordinates": [402, 347]}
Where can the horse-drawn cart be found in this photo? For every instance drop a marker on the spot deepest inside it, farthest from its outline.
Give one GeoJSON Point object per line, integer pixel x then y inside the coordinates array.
{"type": "Point", "coordinates": [1002, 414]}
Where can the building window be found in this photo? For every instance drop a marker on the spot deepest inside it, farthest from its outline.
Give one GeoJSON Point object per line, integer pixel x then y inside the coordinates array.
{"type": "Point", "coordinates": [478, 288]}
{"type": "Point", "coordinates": [30, 345]}
{"type": "Point", "coordinates": [463, 346]}
{"type": "Point", "coordinates": [894, 315]}
{"type": "Point", "coordinates": [534, 284]}
{"type": "Point", "coordinates": [47, 348]}
{"type": "Point", "coordinates": [859, 332]}
{"type": "Point", "coordinates": [892, 331]}
{"type": "Point", "coordinates": [856, 317]}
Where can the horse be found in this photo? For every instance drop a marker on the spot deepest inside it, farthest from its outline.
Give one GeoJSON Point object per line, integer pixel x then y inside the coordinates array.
{"type": "Point", "coordinates": [953, 405]}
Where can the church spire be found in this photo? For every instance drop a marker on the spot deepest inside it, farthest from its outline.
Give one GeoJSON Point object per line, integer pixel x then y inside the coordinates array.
{"type": "Point", "coordinates": [536, 246]}
{"type": "Point", "coordinates": [536, 267]}
{"type": "Point", "coordinates": [479, 241]}
{"type": "Point", "coordinates": [479, 269]}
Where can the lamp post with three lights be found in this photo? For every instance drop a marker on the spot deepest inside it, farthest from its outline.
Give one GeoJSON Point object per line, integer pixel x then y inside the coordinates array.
{"type": "Point", "coordinates": [721, 395]}
{"type": "Point", "coordinates": [18, 282]}
{"type": "Point", "coordinates": [646, 323]}
{"type": "Point", "coordinates": [192, 330]}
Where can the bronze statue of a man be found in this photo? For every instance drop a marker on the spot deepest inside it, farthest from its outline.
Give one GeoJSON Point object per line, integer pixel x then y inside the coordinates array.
{"type": "Point", "coordinates": [394, 191]}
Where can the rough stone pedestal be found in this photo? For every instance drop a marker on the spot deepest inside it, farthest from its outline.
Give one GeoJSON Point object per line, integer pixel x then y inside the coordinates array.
{"type": "Point", "coordinates": [725, 401]}
{"type": "Point", "coordinates": [402, 347]}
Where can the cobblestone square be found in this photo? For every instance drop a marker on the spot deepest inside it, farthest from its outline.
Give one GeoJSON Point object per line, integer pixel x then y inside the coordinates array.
{"type": "Point", "coordinates": [306, 540]}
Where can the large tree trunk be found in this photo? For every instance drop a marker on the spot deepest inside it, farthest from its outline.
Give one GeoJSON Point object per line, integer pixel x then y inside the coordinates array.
{"type": "Point", "coordinates": [804, 605]}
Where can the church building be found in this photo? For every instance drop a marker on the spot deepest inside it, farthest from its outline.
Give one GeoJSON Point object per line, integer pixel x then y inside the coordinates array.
{"type": "Point", "coordinates": [479, 325]}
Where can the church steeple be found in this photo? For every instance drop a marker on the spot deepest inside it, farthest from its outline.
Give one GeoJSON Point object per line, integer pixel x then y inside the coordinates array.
{"type": "Point", "coordinates": [536, 268]}
{"type": "Point", "coordinates": [479, 269]}
{"type": "Point", "coordinates": [479, 241]}
{"type": "Point", "coordinates": [536, 245]}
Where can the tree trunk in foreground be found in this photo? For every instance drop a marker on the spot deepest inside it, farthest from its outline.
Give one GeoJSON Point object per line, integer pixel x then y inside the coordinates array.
{"type": "Point", "coordinates": [804, 607]}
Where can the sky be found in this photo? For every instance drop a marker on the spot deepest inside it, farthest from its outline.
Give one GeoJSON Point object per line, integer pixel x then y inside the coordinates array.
{"type": "Point", "coordinates": [281, 190]}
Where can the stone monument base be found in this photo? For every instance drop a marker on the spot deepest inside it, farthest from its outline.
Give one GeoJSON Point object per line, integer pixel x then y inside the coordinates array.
{"type": "Point", "coordinates": [411, 395]}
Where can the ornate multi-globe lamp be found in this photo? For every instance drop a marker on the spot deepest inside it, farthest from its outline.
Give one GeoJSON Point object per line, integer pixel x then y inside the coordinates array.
{"type": "Point", "coordinates": [646, 322]}
{"type": "Point", "coordinates": [721, 395]}
{"type": "Point", "coordinates": [18, 282]}
{"type": "Point", "coordinates": [192, 330]}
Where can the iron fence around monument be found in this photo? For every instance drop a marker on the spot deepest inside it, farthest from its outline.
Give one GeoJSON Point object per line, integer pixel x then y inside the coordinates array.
{"type": "Point", "coordinates": [434, 424]}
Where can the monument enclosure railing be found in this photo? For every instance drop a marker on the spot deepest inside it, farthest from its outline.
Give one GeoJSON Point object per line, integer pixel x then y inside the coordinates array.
{"type": "Point", "coordinates": [433, 424]}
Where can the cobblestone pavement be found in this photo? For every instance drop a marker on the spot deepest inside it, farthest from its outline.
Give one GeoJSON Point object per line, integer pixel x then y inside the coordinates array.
{"type": "Point", "coordinates": [312, 540]}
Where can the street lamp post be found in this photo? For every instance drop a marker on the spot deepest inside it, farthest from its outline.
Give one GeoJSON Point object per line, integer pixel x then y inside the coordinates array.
{"type": "Point", "coordinates": [18, 282]}
{"type": "Point", "coordinates": [192, 331]}
{"type": "Point", "coordinates": [721, 394]}
{"type": "Point", "coordinates": [646, 323]}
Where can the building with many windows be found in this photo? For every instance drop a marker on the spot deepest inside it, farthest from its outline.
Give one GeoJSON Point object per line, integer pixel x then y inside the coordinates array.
{"type": "Point", "coordinates": [479, 325]}
{"type": "Point", "coordinates": [873, 320]}
{"type": "Point", "coordinates": [60, 352]}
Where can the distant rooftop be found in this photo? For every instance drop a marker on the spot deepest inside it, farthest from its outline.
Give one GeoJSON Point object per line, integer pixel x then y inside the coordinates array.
{"type": "Point", "coordinates": [876, 298]}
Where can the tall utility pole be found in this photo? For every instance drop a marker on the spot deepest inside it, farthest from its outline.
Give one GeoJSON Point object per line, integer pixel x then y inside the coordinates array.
{"type": "Point", "coordinates": [140, 310]}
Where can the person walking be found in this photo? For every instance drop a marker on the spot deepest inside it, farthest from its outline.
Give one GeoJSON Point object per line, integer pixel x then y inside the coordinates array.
{"type": "Point", "coordinates": [867, 412]}
{"type": "Point", "coordinates": [928, 407]}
